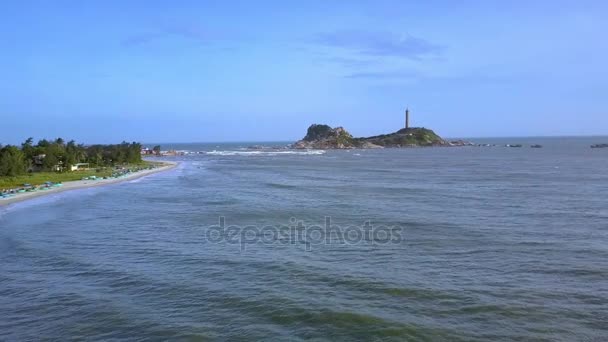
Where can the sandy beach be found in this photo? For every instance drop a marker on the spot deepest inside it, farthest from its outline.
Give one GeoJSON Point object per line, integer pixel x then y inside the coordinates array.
{"type": "Point", "coordinates": [67, 186]}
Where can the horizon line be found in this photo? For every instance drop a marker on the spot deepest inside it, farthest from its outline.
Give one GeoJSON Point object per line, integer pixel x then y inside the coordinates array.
{"type": "Point", "coordinates": [447, 138]}
{"type": "Point", "coordinates": [294, 140]}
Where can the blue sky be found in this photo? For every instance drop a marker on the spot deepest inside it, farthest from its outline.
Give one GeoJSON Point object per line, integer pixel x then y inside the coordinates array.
{"type": "Point", "coordinates": [185, 71]}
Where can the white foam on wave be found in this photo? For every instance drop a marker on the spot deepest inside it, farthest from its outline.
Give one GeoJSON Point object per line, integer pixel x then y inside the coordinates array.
{"type": "Point", "coordinates": [264, 153]}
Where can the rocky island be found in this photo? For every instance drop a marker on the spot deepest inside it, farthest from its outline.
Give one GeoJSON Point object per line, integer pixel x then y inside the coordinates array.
{"type": "Point", "coordinates": [326, 137]}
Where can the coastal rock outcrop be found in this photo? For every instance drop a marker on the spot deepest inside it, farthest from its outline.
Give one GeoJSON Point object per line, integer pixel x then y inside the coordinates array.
{"type": "Point", "coordinates": [325, 137]}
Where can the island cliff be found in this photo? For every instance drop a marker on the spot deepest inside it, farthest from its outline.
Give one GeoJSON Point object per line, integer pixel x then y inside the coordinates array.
{"type": "Point", "coordinates": [325, 137]}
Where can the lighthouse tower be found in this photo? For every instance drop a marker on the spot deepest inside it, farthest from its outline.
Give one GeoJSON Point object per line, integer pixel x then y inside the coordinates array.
{"type": "Point", "coordinates": [407, 118]}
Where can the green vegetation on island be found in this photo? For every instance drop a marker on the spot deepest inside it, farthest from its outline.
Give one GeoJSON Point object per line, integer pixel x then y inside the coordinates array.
{"type": "Point", "coordinates": [414, 136]}
{"type": "Point", "coordinates": [325, 137]}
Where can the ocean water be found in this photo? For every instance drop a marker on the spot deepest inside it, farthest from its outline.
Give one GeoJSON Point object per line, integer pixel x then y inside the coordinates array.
{"type": "Point", "coordinates": [429, 244]}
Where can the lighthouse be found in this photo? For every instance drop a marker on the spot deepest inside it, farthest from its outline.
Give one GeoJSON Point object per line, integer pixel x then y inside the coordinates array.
{"type": "Point", "coordinates": [407, 118]}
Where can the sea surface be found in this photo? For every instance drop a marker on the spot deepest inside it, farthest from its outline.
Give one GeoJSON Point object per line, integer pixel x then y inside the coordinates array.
{"type": "Point", "coordinates": [428, 244]}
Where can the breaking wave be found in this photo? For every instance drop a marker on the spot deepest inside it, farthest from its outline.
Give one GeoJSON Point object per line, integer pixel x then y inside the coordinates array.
{"type": "Point", "coordinates": [264, 153]}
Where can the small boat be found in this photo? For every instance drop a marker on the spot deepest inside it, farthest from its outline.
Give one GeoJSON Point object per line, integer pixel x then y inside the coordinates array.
{"type": "Point", "coordinates": [599, 146]}
{"type": "Point", "coordinates": [536, 146]}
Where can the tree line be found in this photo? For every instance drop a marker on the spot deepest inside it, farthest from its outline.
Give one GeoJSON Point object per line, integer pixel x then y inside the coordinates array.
{"type": "Point", "coordinates": [59, 156]}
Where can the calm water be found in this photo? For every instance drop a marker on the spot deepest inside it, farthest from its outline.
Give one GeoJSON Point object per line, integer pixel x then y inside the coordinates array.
{"type": "Point", "coordinates": [494, 244]}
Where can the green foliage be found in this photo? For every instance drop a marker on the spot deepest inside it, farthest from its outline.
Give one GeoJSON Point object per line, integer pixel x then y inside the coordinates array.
{"type": "Point", "coordinates": [47, 156]}
{"type": "Point", "coordinates": [107, 155]}
{"type": "Point", "coordinates": [38, 178]}
{"type": "Point", "coordinates": [12, 161]}
{"type": "Point", "coordinates": [407, 137]}
{"type": "Point", "coordinates": [156, 150]}
{"type": "Point", "coordinates": [344, 138]}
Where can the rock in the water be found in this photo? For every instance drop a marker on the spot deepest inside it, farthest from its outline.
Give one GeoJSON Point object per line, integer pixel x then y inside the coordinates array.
{"type": "Point", "coordinates": [325, 137]}
{"type": "Point", "coordinates": [461, 143]}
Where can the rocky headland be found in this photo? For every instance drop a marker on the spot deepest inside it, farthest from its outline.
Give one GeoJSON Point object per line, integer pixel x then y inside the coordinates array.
{"type": "Point", "coordinates": [326, 137]}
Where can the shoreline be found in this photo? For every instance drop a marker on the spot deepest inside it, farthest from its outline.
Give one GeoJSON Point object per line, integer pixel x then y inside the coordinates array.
{"type": "Point", "coordinates": [82, 184]}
